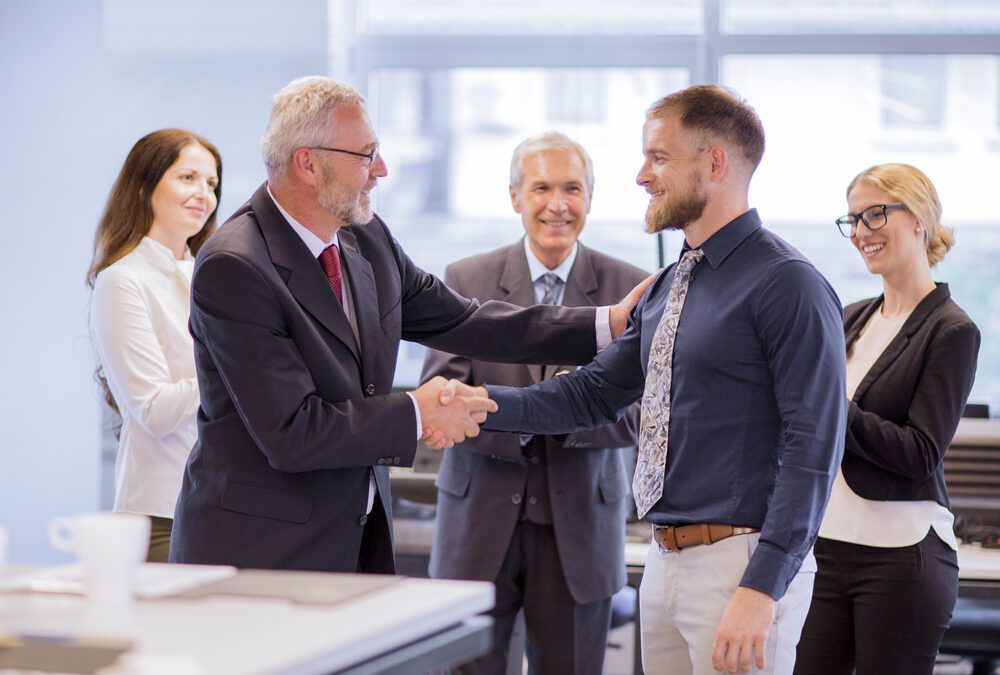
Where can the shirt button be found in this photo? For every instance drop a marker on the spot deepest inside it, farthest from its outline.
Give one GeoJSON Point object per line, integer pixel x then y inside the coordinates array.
{"type": "Point", "coordinates": [535, 459]}
{"type": "Point", "coordinates": [370, 390]}
{"type": "Point", "coordinates": [362, 520]}
{"type": "Point", "coordinates": [515, 498]}
{"type": "Point", "coordinates": [532, 500]}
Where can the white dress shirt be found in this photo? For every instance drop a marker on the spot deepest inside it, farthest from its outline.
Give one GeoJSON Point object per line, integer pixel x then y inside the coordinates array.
{"type": "Point", "coordinates": [884, 524]}
{"type": "Point", "coordinates": [139, 314]}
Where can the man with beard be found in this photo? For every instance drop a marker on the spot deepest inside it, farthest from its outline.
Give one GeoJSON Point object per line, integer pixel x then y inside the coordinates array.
{"type": "Point", "coordinates": [742, 402]}
{"type": "Point", "coordinates": [298, 305]}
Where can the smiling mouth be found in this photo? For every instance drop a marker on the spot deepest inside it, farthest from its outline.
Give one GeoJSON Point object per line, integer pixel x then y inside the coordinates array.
{"type": "Point", "coordinates": [556, 223]}
{"type": "Point", "coordinates": [871, 249]}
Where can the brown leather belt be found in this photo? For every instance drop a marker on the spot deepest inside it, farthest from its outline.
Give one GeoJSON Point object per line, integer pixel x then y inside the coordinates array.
{"type": "Point", "coordinates": [676, 537]}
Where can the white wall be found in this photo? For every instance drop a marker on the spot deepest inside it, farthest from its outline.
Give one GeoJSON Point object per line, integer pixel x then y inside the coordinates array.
{"type": "Point", "coordinates": [51, 187]}
{"type": "Point", "coordinates": [80, 82]}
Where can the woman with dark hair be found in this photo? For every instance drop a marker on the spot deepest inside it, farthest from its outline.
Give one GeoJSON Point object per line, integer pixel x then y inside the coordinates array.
{"type": "Point", "coordinates": [160, 211]}
{"type": "Point", "coordinates": [888, 571]}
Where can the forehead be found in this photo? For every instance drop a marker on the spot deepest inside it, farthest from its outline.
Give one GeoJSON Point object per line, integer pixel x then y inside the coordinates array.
{"type": "Point", "coordinates": [351, 123]}
{"type": "Point", "coordinates": [196, 156]}
{"type": "Point", "coordinates": [864, 194]}
{"type": "Point", "coordinates": [554, 166]}
{"type": "Point", "coordinates": [665, 131]}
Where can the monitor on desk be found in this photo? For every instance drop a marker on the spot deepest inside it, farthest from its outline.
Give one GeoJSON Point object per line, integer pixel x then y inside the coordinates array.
{"type": "Point", "coordinates": [972, 473]}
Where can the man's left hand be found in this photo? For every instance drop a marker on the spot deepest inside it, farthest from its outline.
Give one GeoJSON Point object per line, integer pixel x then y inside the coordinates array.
{"type": "Point", "coordinates": [743, 631]}
{"type": "Point", "coordinates": [618, 317]}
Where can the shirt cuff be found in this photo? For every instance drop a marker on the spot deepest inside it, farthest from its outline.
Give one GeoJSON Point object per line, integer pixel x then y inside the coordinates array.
{"type": "Point", "coordinates": [416, 412]}
{"type": "Point", "coordinates": [770, 571]}
{"type": "Point", "coordinates": [602, 323]}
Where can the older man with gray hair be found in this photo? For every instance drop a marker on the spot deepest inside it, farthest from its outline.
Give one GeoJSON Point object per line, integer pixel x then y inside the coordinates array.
{"type": "Point", "coordinates": [543, 517]}
{"type": "Point", "coordinates": [298, 306]}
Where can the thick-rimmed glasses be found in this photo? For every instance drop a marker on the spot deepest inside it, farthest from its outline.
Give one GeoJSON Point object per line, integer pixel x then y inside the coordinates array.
{"type": "Point", "coordinates": [370, 156]}
{"type": "Point", "coordinates": [874, 217]}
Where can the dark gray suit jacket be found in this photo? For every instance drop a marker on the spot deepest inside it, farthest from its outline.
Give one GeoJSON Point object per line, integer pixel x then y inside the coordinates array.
{"type": "Point", "coordinates": [295, 415]}
{"type": "Point", "coordinates": [588, 483]}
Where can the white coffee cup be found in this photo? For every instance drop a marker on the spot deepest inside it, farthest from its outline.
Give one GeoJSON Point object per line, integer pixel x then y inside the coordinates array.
{"type": "Point", "coordinates": [110, 547]}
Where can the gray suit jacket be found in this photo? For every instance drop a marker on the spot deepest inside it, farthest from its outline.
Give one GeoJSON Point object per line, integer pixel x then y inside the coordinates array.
{"type": "Point", "coordinates": [588, 482]}
{"type": "Point", "coordinates": [295, 414]}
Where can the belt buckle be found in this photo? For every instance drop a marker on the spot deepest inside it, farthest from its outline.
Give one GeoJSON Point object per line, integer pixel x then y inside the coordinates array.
{"type": "Point", "coordinates": [663, 541]}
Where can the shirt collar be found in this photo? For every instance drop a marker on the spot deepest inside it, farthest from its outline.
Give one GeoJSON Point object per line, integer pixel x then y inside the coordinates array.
{"type": "Point", "coordinates": [718, 247]}
{"type": "Point", "coordinates": [536, 268]}
{"type": "Point", "coordinates": [312, 242]}
{"type": "Point", "coordinates": [163, 257]}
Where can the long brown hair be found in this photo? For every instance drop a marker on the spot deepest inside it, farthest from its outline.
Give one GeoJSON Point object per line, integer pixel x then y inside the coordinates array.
{"type": "Point", "coordinates": [128, 214]}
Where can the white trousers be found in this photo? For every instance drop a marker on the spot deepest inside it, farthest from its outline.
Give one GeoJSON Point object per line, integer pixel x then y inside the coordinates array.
{"type": "Point", "coordinates": [683, 595]}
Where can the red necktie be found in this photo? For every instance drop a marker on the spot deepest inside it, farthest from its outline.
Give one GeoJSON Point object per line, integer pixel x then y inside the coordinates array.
{"type": "Point", "coordinates": [330, 260]}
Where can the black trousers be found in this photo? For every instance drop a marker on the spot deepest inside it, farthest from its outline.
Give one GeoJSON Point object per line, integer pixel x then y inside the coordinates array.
{"type": "Point", "coordinates": [563, 636]}
{"type": "Point", "coordinates": [879, 610]}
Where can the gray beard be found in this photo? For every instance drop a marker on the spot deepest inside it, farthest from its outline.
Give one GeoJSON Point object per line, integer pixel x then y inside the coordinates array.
{"type": "Point", "coordinates": [352, 213]}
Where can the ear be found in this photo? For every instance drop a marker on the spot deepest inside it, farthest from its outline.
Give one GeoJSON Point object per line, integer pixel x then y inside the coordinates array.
{"type": "Point", "coordinates": [514, 200]}
{"type": "Point", "coordinates": [719, 158]}
{"type": "Point", "coordinates": [304, 167]}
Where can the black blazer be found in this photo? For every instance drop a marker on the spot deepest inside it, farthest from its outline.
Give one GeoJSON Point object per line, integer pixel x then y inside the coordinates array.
{"type": "Point", "coordinates": [906, 409]}
{"type": "Point", "coordinates": [295, 414]}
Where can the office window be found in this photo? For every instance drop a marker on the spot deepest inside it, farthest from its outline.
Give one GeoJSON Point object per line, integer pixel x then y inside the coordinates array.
{"type": "Point", "coordinates": [520, 17]}
{"type": "Point", "coordinates": [448, 137]}
{"type": "Point", "coordinates": [913, 91]}
{"type": "Point", "coordinates": [827, 122]}
{"type": "Point", "coordinates": [860, 16]}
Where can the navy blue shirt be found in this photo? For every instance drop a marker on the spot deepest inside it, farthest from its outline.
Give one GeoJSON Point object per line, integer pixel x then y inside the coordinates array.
{"type": "Point", "coordinates": [757, 399]}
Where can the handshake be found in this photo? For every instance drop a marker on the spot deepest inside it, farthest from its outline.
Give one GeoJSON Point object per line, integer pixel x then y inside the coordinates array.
{"type": "Point", "coordinates": [451, 411]}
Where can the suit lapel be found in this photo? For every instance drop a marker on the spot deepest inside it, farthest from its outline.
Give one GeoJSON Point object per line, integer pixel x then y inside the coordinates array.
{"type": "Point", "coordinates": [579, 292]}
{"type": "Point", "coordinates": [302, 274]}
{"type": "Point", "coordinates": [517, 287]}
{"type": "Point", "coordinates": [899, 343]}
{"type": "Point", "coordinates": [364, 293]}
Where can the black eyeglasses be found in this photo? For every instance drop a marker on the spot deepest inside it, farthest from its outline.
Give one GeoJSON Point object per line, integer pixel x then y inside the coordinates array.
{"type": "Point", "coordinates": [874, 218]}
{"type": "Point", "coordinates": [370, 156]}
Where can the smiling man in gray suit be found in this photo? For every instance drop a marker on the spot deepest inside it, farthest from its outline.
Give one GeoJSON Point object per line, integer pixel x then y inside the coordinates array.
{"type": "Point", "coordinates": [543, 517]}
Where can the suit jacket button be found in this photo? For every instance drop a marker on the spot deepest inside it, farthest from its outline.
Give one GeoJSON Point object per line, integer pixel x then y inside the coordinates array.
{"type": "Point", "coordinates": [515, 498]}
{"type": "Point", "coordinates": [396, 460]}
{"type": "Point", "coordinates": [535, 459]}
{"type": "Point", "coordinates": [532, 500]}
{"type": "Point", "coordinates": [362, 520]}
{"type": "Point", "coordinates": [370, 390]}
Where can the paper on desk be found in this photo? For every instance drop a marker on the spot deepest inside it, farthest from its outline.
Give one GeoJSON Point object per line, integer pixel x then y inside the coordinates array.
{"type": "Point", "coordinates": [153, 580]}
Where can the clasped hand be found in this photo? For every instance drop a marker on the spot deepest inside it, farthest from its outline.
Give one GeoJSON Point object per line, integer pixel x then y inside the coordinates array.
{"type": "Point", "coordinates": [451, 411]}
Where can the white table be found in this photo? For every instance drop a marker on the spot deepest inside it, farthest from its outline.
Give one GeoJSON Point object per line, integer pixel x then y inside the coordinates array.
{"type": "Point", "coordinates": [224, 635]}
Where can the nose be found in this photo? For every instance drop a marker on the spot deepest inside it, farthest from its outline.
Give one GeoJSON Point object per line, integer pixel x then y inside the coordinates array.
{"type": "Point", "coordinates": [557, 202]}
{"type": "Point", "coordinates": [643, 178]}
{"type": "Point", "coordinates": [378, 167]}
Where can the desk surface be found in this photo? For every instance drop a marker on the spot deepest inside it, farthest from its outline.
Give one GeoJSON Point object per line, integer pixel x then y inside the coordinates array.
{"type": "Point", "coordinates": [974, 562]}
{"type": "Point", "coordinates": [243, 635]}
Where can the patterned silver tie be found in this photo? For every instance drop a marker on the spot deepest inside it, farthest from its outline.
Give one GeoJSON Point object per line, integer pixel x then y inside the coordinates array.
{"type": "Point", "coordinates": [654, 420]}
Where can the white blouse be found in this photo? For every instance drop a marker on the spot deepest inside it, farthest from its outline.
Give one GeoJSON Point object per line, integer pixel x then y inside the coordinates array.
{"type": "Point", "coordinates": [139, 324]}
{"type": "Point", "coordinates": [884, 524]}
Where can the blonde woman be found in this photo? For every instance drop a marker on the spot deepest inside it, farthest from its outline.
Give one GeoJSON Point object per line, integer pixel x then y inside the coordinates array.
{"type": "Point", "coordinates": [160, 211]}
{"type": "Point", "coordinates": [888, 573]}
